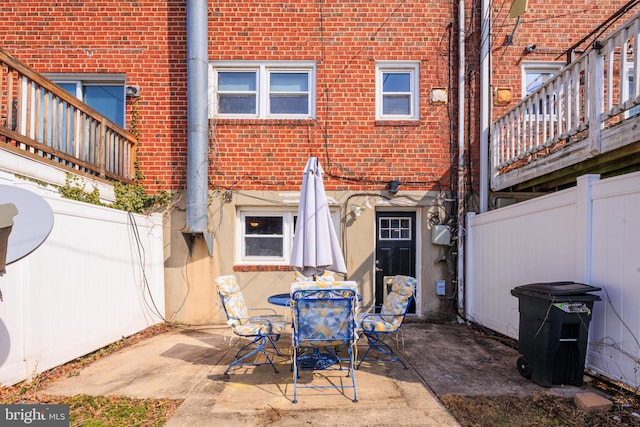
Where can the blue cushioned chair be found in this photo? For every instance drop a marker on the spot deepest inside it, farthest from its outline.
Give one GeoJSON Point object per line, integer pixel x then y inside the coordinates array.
{"type": "Point", "coordinates": [376, 326]}
{"type": "Point", "coordinates": [262, 330]}
{"type": "Point", "coordinates": [323, 320]}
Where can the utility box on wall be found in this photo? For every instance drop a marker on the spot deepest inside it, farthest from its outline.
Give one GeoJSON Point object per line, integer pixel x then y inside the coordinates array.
{"type": "Point", "coordinates": [441, 235]}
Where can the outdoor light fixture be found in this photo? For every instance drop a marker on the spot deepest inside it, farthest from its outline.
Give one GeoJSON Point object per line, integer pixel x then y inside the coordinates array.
{"type": "Point", "coordinates": [394, 186]}
{"type": "Point", "coordinates": [357, 210]}
{"type": "Point", "coordinates": [132, 91]}
{"type": "Point", "coordinates": [503, 96]}
{"type": "Point", "coordinates": [439, 95]}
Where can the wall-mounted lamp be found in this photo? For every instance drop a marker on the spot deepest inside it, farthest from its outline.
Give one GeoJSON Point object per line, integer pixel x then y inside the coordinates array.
{"type": "Point", "coordinates": [132, 91]}
{"type": "Point", "coordinates": [503, 96]}
{"type": "Point", "coordinates": [439, 95]}
{"type": "Point", "coordinates": [394, 186]}
{"type": "Point", "coordinates": [357, 210]}
{"type": "Point", "coordinates": [530, 48]}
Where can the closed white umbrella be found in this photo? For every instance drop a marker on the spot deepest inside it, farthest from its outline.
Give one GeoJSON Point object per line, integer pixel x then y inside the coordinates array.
{"type": "Point", "coordinates": [315, 243]}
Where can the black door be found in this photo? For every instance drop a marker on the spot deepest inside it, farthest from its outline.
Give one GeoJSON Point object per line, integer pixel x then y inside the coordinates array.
{"type": "Point", "coordinates": [395, 250]}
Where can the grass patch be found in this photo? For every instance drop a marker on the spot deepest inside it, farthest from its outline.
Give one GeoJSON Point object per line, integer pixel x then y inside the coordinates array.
{"type": "Point", "coordinates": [94, 411]}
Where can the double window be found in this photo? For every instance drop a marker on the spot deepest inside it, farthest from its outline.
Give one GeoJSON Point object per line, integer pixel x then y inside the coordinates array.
{"type": "Point", "coordinates": [397, 90]}
{"type": "Point", "coordinates": [263, 90]}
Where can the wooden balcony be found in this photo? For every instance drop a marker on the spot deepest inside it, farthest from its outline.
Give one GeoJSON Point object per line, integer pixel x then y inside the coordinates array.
{"type": "Point", "coordinates": [40, 120]}
{"type": "Point", "coordinates": [584, 120]}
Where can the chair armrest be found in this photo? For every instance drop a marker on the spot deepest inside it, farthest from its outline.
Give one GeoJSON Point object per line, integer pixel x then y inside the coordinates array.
{"type": "Point", "coordinates": [380, 317]}
{"type": "Point", "coordinates": [271, 310]}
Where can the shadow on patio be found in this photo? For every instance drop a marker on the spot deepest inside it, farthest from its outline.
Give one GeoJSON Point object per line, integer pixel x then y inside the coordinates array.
{"type": "Point", "coordinates": [189, 363]}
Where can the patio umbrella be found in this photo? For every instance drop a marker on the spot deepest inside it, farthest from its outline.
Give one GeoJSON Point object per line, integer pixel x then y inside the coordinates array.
{"type": "Point", "coordinates": [315, 243]}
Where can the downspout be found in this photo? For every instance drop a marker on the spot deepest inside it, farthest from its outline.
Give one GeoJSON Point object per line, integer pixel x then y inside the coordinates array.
{"type": "Point", "coordinates": [198, 125]}
{"type": "Point", "coordinates": [461, 167]}
{"type": "Point", "coordinates": [485, 112]}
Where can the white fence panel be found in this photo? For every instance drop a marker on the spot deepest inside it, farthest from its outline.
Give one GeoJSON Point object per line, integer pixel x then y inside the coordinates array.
{"type": "Point", "coordinates": [502, 254]}
{"type": "Point", "coordinates": [99, 276]}
{"type": "Point", "coordinates": [588, 234]}
{"type": "Point", "coordinates": [614, 348]}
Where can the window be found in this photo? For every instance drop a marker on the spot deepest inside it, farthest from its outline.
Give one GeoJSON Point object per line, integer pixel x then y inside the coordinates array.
{"type": "Point", "coordinates": [269, 90]}
{"type": "Point", "coordinates": [536, 74]}
{"type": "Point", "coordinates": [397, 91]}
{"type": "Point", "coordinates": [265, 236]}
{"type": "Point", "coordinates": [105, 93]}
{"type": "Point", "coordinates": [629, 93]}
{"type": "Point", "coordinates": [394, 228]}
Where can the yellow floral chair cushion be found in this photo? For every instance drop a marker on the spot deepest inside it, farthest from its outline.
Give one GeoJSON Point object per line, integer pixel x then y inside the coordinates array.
{"type": "Point", "coordinates": [327, 276]}
{"type": "Point", "coordinates": [238, 316]}
{"type": "Point", "coordinates": [394, 308]}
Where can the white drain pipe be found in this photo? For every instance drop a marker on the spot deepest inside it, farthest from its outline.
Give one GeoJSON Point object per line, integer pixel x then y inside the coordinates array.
{"type": "Point", "coordinates": [461, 165]}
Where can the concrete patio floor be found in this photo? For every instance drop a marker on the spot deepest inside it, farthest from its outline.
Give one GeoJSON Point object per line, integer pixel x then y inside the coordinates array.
{"type": "Point", "coordinates": [189, 364]}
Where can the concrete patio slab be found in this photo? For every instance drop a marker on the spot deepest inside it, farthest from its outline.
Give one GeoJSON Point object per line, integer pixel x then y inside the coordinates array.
{"type": "Point", "coordinates": [189, 364]}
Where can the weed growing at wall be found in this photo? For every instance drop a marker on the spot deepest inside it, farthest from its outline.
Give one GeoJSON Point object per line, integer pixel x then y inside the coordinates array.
{"type": "Point", "coordinates": [129, 197]}
{"type": "Point", "coordinates": [74, 190]}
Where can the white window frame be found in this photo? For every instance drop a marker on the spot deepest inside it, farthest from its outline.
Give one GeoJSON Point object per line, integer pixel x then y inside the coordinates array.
{"type": "Point", "coordinates": [81, 80]}
{"type": "Point", "coordinates": [263, 70]}
{"type": "Point", "coordinates": [411, 67]}
{"type": "Point", "coordinates": [628, 91]}
{"type": "Point", "coordinates": [539, 67]}
{"type": "Point", "coordinates": [287, 234]}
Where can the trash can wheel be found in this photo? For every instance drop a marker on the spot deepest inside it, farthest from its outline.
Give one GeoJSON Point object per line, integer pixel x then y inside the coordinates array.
{"type": "Point", "coordinates": [523, 367]}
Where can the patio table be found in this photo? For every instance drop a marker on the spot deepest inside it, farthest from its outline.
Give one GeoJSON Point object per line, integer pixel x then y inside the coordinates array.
{"type": "Point", "coordinates": [283, 299]}
{"type": "Point", "coordinates": [280, 299]}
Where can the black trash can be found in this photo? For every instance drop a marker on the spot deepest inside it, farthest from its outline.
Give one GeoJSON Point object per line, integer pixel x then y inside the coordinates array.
{"type": "Point", "coordinates": [554, 327]}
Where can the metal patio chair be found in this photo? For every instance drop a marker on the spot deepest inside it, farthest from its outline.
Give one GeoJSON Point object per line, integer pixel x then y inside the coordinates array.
{"type": "Point", "coordinates": [379, 325]}
{"type": "Point", "coordinates": [262, 330]}
{"type": "Point", "coordinates": [323, 320]}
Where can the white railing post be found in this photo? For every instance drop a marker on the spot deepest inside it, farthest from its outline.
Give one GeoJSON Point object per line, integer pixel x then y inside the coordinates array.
{"type": "Point", "coordinates": [595, 99]}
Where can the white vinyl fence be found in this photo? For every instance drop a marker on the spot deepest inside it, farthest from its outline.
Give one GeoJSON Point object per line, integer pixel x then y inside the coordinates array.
{"type": "Point", "coordinates": [98, 277]}
{"type": "Point", "coordinates": [587, 234]}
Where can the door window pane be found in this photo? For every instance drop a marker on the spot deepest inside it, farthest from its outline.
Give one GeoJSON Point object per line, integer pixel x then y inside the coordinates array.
{"type": "Point", "coordinates": [395, 228]}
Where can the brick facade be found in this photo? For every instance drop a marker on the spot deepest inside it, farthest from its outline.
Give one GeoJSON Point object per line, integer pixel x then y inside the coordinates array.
{"type": "Point", "coordinates": [147, 41]}
{"type": "Point", "coordinates": [144, 39]}
{"type": "Point", "coordinates": [551, 27]}
{"type": "Point", "coordinates": [345, 39]}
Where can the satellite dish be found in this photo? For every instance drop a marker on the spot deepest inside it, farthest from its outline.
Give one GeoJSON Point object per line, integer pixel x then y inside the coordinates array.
{"type": "Point", "coordinates": [31, 225]}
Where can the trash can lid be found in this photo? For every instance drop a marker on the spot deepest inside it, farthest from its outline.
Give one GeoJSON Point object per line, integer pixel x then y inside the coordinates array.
{"type": "Point", "coordinates": [557, 288]}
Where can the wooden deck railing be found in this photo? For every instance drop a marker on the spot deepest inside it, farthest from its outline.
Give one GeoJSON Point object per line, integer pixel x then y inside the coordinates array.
{"type": "Point", "coordinates": [570, 112]}
{"type": "Point", "coordinates": [40, 120]}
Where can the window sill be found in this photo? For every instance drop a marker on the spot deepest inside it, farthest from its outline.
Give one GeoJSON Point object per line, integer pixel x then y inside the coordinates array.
{"type": "Point", "coordinates": [397, 123]}
{"type": "Point", "coordinates": [262, 122]}
{"type": "Point", "coordinates": [245, 268]}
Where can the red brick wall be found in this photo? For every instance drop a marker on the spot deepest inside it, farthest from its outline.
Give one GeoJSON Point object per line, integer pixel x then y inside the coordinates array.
{"type": "Point", "coordinates": [345, 39]}
{"type": "Point", "coordinates": [146, 39]}
{"type": "Point", "coordinates": [553, 27]}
